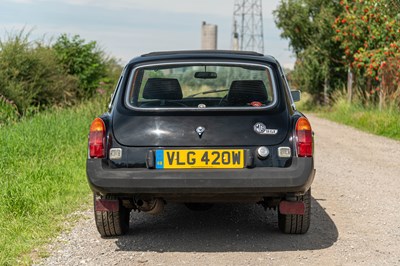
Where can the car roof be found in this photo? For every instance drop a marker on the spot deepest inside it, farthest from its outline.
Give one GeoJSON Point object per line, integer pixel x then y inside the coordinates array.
{"type": "Point", "coordinates": [203, 54]}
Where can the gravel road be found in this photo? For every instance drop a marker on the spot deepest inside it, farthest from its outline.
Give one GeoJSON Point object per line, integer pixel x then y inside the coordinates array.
{"type": "Point", "coordinates": [355, 219]}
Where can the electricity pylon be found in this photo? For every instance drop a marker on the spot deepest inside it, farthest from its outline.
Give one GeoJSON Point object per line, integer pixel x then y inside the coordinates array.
{"type": "Point", "coordinates": [247, 28]}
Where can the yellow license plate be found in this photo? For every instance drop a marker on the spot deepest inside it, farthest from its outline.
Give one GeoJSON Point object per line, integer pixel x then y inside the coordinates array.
{"type": "Point", "coordinates": [183, 159]}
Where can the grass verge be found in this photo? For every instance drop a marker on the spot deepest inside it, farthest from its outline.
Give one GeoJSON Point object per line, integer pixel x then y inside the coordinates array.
{"type": "Point", "coordinates": [370, 119]}
{"type": "Point", "coordinates": [42, 178]}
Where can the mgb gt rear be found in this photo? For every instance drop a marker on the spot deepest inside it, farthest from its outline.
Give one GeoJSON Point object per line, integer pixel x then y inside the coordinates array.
{"type": "Point", "coordinates": [198, 128]}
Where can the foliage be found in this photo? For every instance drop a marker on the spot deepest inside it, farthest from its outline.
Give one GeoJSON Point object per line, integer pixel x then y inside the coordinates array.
{"type": "Point", "coordinates": [356, 114]}
{"type": "Point", "coordinates": [42, 171]}
{"type": "Point", "coordinates": [83, 60]}
{"type": "Point", "coordinates": [30, 76]}
{"type": "Point", "coordinates": [307, 25]}
{"type": "Point", "coordinates": [35, 76]}
{"type": "Point", "coordinates": [367, 118]}
{"type": "Point", "coordinates": [113, 71]}
{"type": "Point", "coordinates": [369, 33]}
{"type": "Point", "coordinates": [8, 111]}
{"type": "Point", "coordinates": [306, 104]}
{"type": "Point", "coordinates": [330, 37]}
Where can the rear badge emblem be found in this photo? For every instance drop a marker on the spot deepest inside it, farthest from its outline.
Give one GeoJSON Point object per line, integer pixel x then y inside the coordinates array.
{"type": "Point", "coordinates": [262, 129]}
{"type": "Point", "coordinates": [200, 131]}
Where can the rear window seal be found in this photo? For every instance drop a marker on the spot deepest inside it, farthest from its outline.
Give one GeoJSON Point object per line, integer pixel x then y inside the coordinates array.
{"type": "Point", "coordinates": [129, 90]}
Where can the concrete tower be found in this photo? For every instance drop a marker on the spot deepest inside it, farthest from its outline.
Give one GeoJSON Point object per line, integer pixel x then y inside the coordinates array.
{"type": "Point", "coordinates": [209, 36]}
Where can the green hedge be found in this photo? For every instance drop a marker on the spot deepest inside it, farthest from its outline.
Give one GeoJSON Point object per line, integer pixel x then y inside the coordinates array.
{"type": "Point", "coordinates": [35, 76]}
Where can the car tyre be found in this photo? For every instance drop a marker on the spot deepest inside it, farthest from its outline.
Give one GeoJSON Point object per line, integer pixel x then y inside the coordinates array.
{"type": "Point", "coordinates": [109, 223]}
{"type": "Point", "coordinates": [297, 224]}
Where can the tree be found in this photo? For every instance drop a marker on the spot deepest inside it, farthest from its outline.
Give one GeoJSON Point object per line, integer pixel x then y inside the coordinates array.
{"type": "Point", "coordinates": [83, 60]}
{"type": "Point", "coordinates": [307, 24]}
{"type": "Point", "coordinates": [369, 33]}
{"type": "Point", "coordinates": [30, 77]}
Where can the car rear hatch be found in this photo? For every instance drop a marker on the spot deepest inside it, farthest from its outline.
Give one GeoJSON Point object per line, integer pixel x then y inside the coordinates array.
{"type": "Point", "coordinates": [220, 129]}
{"type": "Point", "coordinates": [201, 105]}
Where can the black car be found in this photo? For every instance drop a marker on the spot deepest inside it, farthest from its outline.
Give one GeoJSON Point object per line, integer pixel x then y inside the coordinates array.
{"type": "Point", "coordinates": [201, 127]}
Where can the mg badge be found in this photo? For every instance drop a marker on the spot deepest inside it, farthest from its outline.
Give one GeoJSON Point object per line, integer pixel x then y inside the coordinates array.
{"type": "Point", "coordinates": [262, 129]}
{"type": "Point", "coordinates": [259, 128]}
{"type": "Point", "coordinates": [200, 131]}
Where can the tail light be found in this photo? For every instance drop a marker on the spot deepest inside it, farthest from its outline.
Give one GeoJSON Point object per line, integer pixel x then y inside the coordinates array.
{"type": "Point", "coordinates": [97, 138]}
{"type": "Point", "coordinates": [304, 138]}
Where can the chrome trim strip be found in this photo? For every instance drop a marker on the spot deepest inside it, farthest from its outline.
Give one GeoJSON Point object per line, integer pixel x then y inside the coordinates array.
{"type": "Point", "coordinates": [131, 75]}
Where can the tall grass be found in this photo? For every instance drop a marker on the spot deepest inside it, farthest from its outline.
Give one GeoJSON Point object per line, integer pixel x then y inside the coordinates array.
{"type": "Point", "coordinates": [42, 177]}
{"type": "Point", "coordinates": [358, 114]}
{"type": "Point", "coordinates": [384, 122]}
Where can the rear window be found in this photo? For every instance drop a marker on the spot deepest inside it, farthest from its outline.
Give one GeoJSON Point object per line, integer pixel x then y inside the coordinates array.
{"type": "Point", "coordinates": [201, 86]}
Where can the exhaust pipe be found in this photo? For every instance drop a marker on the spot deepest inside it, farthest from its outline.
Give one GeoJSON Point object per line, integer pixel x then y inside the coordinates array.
{"type": "Point", "coordinates": [153, 206]}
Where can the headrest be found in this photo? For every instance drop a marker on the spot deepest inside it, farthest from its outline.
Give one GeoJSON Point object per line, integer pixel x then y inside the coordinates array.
{"type": "Point", "coordinates": [243, 92]}
{"type": "Point", "coordinates": [163, 89]}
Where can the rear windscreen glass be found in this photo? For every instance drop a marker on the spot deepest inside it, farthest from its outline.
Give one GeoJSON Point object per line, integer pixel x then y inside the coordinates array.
{"type": "Point", "coordinates": [201, 86]}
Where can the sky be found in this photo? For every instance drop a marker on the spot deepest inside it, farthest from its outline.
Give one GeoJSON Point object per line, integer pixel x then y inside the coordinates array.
{"type": "Point", "coordinates": [128, 28]}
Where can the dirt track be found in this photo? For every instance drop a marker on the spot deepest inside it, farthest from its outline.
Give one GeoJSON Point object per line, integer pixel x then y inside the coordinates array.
{"type": "Point", "coordinates": [355, 219]}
